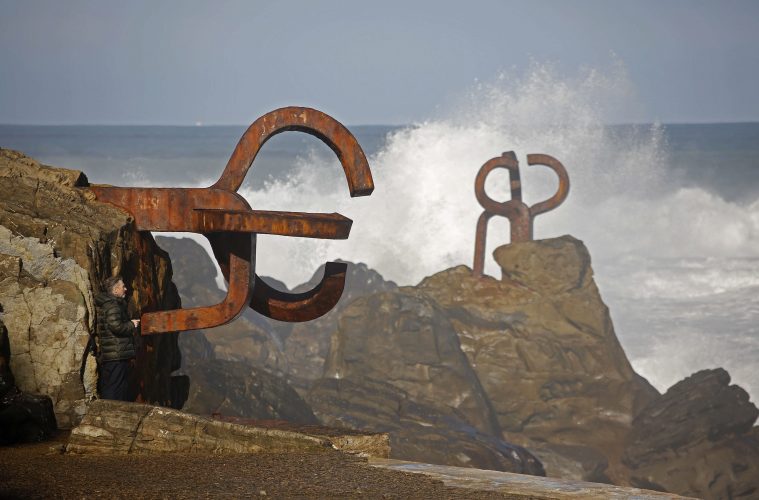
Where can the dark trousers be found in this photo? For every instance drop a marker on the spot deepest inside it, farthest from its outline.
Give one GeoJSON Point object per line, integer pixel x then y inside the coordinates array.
{"type": "Point", "coordinates": [114, 380]}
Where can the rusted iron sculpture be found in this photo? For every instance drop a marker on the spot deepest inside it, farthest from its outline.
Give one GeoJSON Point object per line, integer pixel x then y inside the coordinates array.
{"type": "Point", "coordinates": [519, 214]}
{"type": "Point", "coordinates": [229, 223]}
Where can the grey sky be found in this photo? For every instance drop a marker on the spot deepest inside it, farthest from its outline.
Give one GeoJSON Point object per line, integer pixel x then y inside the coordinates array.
{"type": "Point", "coordinates": [389, 62]}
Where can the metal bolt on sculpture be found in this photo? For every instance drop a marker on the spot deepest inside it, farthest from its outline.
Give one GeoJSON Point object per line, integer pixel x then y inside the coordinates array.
{"type": "Point", "coordinates": [519, 214]}
{"type": "Point", "coordinates": [229, 223]}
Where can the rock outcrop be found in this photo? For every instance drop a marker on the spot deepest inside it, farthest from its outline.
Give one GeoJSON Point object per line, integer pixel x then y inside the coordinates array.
{"type": "Point", "coordinates": [24, 418]}
{"type": "Point", "coordinates": [57, 243]}
{"type": "Point", "coordinates": [306, 345]}
{"type": "Point", "coordinates": [530, 359]}
{"type": "Point", "coordinates": [120, 427]}
{"type": "Point", "coordinates": [697, 440]}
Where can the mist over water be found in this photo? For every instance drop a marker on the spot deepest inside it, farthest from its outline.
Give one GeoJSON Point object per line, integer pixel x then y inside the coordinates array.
{"type": "Point", "coordinates": [670, 214]}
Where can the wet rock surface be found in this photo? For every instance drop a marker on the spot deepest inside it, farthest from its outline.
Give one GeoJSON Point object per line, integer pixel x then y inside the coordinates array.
{"type": "Point", "coordinates": [57, 244]}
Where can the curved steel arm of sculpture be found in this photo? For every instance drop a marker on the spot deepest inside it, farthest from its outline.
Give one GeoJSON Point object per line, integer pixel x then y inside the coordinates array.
{"type": "Point", "coordinates": [301, 306]}
{"type": "Point", "coordinates": [561, 192]}
{"type": "Point", "coordinates": [310, 121]}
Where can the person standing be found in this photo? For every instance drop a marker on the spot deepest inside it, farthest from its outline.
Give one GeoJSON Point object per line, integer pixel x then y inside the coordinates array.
{"type": "Point", "coordinates": [116, 338]}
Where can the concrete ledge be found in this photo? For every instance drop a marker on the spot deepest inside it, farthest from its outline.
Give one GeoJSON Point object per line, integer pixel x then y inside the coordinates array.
{"type": "Point", "coordinates": [519, 485]}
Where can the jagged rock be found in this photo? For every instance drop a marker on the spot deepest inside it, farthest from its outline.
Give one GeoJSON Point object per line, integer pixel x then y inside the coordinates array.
{"type": "Point", "coordinates": [697, 439]}
{"type": "Point", "coordinates": [422, 431]}
{"type": "Point", "coordinates": [23, 417]}
{"type": "Point", "coordinates": [57, 243]}
{"type": "Point", "coordinates": [541, 364]}
{"type": "Point", "coordinates": [119, 427]}
{"type": "Point", "coordinates": [403, 338]}
{"type": "Point", "coordinates": [233, 388]}
{"type": "Point", "coordinates": [306, 345]}
{"type": "Point", "coordinates": [543, 346]}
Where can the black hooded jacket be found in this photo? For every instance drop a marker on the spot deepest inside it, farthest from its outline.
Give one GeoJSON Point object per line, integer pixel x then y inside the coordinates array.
{"type": "Point", "coordinates": [114, 329]}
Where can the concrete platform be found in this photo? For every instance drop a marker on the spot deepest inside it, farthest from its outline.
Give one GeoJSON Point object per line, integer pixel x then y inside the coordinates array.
{"type": "Point", "coordinates": [519, 485]}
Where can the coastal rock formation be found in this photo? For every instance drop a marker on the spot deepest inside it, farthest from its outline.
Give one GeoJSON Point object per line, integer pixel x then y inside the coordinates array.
{"type": "Point", "coordinates": [57, 243]}
{"type": "Point", "coordinates": [24, 417]}
{"type": "Point", "coordinates": [697, 440]}
{"type": "Point", "coordinates": [306, 345]}
{"type": "Point", "coordinates": [543, 345]}
{"type": "Point", "coordinates": [120, 427]}
{"type": "Point", "coordinates": [531, 359]}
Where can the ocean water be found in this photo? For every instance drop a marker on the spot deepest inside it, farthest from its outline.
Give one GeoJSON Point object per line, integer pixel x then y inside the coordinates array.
{"type": "Point", "coordinates": [669, 212]}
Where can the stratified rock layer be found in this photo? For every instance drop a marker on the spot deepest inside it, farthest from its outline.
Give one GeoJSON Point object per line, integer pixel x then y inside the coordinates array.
{"type": "Point", "coordinates": [57, 243]}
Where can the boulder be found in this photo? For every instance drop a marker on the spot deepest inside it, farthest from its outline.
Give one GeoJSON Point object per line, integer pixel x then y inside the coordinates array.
{"type": "Point", "coordinates": [697, 439]}
{"type": "Point", "coordinates": [57, 244]}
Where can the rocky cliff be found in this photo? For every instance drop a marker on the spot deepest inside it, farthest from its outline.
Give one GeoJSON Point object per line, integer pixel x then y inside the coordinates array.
{"type": "Point", "coordinates": [532, 359]}
{"type": "Point", "coordinates": [456, 369]}
{"type": "Point", "coordinates": [57, 243]}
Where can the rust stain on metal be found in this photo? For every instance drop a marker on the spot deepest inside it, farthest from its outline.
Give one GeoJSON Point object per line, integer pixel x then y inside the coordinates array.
{"type": "Point", "coordinates": [520, 215]}
{"type": "Point", "coordinates": [231, 225]}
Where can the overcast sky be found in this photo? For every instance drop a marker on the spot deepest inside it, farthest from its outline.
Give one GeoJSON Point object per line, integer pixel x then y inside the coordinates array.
{"type": "Point", "coordinates": [365, 62]}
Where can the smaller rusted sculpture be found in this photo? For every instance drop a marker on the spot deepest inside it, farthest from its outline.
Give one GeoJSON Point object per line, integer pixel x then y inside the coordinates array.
{"type": "Point", "coordinates": [519, 214]}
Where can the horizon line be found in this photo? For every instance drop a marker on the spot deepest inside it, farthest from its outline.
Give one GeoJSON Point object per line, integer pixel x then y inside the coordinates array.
{"type": "Point", "coordinates": [212, 125]}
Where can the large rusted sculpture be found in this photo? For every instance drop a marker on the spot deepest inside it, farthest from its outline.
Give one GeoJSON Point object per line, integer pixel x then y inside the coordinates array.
{"type": "Point", "coordinates": [229, 223]}
{"type": "Point", "coordinates": [519, 214]}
